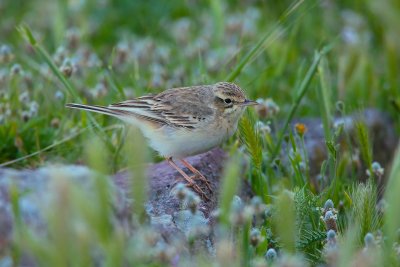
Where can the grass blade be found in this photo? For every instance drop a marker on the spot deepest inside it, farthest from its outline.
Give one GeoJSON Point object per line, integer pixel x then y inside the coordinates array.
{"type": "Point", "coordinates": [229, 186]}
{"type": "Point", "coordinates": [270, 36]}
{"type": "Point", "coordinates": [55, 144]}
{"type": "Point", "coordinates": [392, 215]}
{"type": "Point", "coordinates": [303, 87]}
{"type": "Point", "coordinates": [27, 33]}
{"type": "Point", "coordinates": [325, 94]}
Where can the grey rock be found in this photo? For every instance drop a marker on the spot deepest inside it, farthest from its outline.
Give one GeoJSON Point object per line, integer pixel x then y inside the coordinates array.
{"type": "Point", "coordinates": [35, 196]}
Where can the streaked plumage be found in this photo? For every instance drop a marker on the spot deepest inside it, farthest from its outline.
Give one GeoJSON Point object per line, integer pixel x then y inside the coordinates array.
{"type": "Point", "coordinates": [183, 121]}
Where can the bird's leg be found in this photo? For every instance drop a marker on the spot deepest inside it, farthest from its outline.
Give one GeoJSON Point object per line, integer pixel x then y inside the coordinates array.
{"type": "Point", "coordinates": [197, 173]}
{"type": "Point", "coordinates": [187, 178]}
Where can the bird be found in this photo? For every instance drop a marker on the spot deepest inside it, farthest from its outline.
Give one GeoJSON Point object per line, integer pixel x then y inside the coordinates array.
{"type": "Point", "coordinates": [184, 121]}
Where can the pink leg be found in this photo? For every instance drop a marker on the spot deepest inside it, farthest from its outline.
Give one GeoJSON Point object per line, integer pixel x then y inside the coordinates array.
{"type": "Point", "coordinates": [187, 178]}
{"type": "Point", "coordinates": [196, 172]}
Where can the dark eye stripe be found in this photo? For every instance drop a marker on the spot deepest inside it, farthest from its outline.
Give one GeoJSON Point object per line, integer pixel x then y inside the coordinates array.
{"type": "Point", "coordinates": [219, 99]}
{"type": "Point", "coordinates": [227, 105]}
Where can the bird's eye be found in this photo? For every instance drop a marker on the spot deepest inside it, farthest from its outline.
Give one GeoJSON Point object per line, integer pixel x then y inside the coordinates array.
{"type": "Point", "coordinates": [227, 101]}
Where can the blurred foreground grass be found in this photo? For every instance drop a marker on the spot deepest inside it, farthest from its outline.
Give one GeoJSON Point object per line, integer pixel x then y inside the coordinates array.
{"type": "Point", "coordinates": [313, 58]}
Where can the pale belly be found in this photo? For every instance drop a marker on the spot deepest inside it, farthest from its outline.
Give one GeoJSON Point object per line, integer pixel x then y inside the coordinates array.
{"type": "Point", "coordinates": [180, 143]}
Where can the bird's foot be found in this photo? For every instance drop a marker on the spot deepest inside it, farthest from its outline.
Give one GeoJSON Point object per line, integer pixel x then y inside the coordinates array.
{"type": "Point", "coordinates": [190, 182]}
{"type": "Point", "coordinates": [197, 174]}
{"type": "Point", "coordinates": [201, 177]}
{"type": "Point", "coordinates": [195, 187]}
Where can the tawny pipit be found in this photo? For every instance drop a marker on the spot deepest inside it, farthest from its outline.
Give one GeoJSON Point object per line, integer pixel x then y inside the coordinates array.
{"type": "Point", "coordinates": [185, 121]}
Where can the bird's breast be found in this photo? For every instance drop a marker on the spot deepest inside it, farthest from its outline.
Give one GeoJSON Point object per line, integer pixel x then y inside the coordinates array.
{"type": "Point", "coordinates": [181, 142]}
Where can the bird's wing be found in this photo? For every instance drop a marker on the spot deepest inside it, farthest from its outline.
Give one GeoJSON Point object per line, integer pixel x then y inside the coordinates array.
{"type": "Point", "coordinates": [170, 107]}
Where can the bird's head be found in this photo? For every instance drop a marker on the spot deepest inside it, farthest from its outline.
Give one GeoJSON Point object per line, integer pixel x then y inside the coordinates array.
{"type": "Point", "coordinates": [230, 99]}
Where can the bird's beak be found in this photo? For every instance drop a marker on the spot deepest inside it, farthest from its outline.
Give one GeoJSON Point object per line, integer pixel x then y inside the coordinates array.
{"type": "Point", "coordinates": [248, 103]}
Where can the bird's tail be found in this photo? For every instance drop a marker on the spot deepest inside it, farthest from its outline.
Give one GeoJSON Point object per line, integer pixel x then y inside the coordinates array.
{"type": "Point", "coordinates": [128, 115]}
{"type": "Point", "coordinates": [98, 109]}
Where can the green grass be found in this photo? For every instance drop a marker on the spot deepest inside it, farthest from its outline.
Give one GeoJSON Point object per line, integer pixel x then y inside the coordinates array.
{"type": "Point", "coordinates": [313, 58]}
